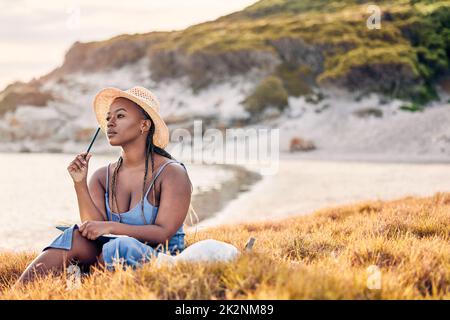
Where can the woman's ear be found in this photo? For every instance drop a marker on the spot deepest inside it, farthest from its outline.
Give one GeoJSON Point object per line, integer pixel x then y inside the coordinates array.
{"type": "Point", "coordinates": [145, 125]}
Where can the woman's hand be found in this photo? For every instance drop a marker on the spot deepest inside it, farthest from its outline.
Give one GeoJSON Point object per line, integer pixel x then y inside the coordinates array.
{"type": "Point", "coordinates": [78, 168]}
{"type": "Point", "coordinates": [94, 229]}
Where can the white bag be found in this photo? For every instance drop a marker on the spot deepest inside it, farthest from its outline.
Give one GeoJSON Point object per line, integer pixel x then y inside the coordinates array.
{"type": "Point", "coordinates": [204, 250]}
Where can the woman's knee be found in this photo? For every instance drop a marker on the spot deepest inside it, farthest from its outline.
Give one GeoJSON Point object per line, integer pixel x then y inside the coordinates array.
{"type": "Point", "coordinates": [127, 248]}
{"type": "Point", "coordinates": [83, 249]}
{"type": "Point", "coordinates": [119, 246]}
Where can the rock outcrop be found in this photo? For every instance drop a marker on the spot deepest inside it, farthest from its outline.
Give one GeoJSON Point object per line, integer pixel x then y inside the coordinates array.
{"type": "Point", "coordinates": [306, 46]}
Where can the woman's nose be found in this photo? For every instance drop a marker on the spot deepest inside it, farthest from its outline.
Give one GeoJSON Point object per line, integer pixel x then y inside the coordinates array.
{"type": "Point", "coordinates": [109, 123]}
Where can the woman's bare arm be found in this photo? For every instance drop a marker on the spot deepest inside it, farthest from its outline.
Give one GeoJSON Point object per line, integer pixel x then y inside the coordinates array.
{"type": "Point", "coordinates": [173, 207]}
{"type": "Point", "coordinates": [91, 201]}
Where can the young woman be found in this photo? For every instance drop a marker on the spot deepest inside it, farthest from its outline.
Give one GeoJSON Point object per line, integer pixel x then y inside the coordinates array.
{"type": "Point", "coordinates": [145, 195]}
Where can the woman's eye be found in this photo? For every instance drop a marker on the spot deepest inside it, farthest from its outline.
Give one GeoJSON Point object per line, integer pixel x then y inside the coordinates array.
{"type": "Point", "coordinates": [107, 119]}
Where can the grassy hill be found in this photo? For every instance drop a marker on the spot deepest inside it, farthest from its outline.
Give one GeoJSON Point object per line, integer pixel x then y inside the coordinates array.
{"type": "Point", "coordinates": [328, 42]}
{"type": "Point", "coordinates": [331, 254]}
{"type": "Point", "coordinates": [304, 43]}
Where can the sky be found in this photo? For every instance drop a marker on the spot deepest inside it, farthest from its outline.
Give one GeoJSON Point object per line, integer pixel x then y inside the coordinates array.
{"type": "Point", "coordinates": [35, 35]}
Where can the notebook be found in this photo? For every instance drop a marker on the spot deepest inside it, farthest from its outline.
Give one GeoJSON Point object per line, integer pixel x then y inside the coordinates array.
{"type": "Point", "coordinates": [104, 238]}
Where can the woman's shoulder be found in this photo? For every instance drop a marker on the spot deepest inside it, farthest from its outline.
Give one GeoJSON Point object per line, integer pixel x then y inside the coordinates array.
{"type": "Point", "coordinates": [173, 166]}
{"type": "Point", "coordinates": [175, 173]}
{"type": "Point", "coordinates": [100, 175]}
{"type": "Point", "coordinates": [165, 164]}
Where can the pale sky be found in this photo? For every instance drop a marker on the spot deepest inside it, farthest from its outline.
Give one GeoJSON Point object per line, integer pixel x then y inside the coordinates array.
{"type": "Point", "coordinates": [35, 35]}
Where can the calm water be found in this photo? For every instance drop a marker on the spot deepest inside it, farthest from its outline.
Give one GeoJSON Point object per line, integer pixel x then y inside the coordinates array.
{"type": "Point", "coordinates": [36, 193]}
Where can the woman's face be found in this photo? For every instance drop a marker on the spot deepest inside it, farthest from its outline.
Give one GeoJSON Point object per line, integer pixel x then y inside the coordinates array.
{"type": "Point", "coordinates": [124, 122]}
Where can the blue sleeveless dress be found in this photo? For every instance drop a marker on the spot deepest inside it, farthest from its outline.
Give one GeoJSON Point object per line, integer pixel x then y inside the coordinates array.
{"type": "Point", "coordinates": [128, 250]}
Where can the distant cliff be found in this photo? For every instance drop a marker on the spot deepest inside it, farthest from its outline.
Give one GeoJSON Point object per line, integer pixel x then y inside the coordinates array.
{"type": "Point", "coordinates": [262, 56]}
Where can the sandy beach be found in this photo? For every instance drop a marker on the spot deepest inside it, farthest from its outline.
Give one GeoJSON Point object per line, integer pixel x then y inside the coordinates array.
{"type": "Point", "coordinates": [307, 182]}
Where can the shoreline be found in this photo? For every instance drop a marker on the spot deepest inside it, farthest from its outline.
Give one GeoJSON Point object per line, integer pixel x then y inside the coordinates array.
{"type": "Point", "coordinates": [302, 186]}
{"type": "Point", "coordinates": [229, 201]}
{"type": "Point", "coordinates": [208, 203]}
{"type": "Point", "coordinates": [320, 155]}
{"type": "Point", "coordinates": [316, 155]}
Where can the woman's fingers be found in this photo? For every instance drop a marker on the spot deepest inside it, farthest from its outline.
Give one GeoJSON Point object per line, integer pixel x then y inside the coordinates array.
{"type": "Point", "coordinates": [84, 157]}
{"type": "Point", "coordinates": [81, 159]}
{"type": "Point", "coordinates": [84, 229]}
{"type": "Point", "coordinates": [73, 167]}
{"type": "Point", "coordinates": [84, 232]}
{"type": "Point", "coordinates": [80, 162]}
{"type": "Point", "coordinates": [75, 163]}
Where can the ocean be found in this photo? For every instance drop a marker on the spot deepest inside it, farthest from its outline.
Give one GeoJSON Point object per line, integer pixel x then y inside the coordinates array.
{"type": "Point", "coordinates": [36, 191]}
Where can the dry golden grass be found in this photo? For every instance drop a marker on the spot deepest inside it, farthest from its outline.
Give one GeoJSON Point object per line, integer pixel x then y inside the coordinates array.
{"type": "Point", "coordinates": [321, 256]}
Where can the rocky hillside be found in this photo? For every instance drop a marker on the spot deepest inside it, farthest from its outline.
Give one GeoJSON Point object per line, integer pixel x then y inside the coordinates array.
{"type": "Point", "coordinates": [241, 67]}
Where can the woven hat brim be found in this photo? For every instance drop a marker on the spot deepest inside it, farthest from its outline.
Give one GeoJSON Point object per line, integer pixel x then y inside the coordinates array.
{"type": "Point", "coordinates": [105, 97]}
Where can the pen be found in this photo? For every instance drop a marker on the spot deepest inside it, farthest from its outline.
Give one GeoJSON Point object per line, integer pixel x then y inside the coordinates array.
{"type": "Point", "coordinates": [92, 141]}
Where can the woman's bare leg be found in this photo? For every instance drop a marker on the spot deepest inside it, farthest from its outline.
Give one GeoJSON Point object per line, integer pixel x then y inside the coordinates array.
{"type": "Point", "coordinates": [83, 251]}
{"type": "Point", "coordinates": [100, 263]}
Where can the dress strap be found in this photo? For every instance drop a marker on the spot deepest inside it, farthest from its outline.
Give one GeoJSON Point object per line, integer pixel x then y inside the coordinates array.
{"type": "Point", "coordinates": [153, 180]}
{"type": "Point", "coordinates": [106, 193]}
{"type": "Point", "coordinates": [182, 165]}
{"type": "Point", "coordinates": [158, 173]}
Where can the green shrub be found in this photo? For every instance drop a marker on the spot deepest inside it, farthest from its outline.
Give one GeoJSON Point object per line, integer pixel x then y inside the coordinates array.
{"type": "Point", "coordinates": [269, 93]}
{"type": "Point", "coordinates": [413, 107]}
{"type": "Point", "coordinates": [295, 79]}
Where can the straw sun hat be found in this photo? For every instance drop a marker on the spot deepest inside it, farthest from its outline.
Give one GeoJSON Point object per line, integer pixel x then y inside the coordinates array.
{"type": "Point", "coordinates": [142, 97]}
